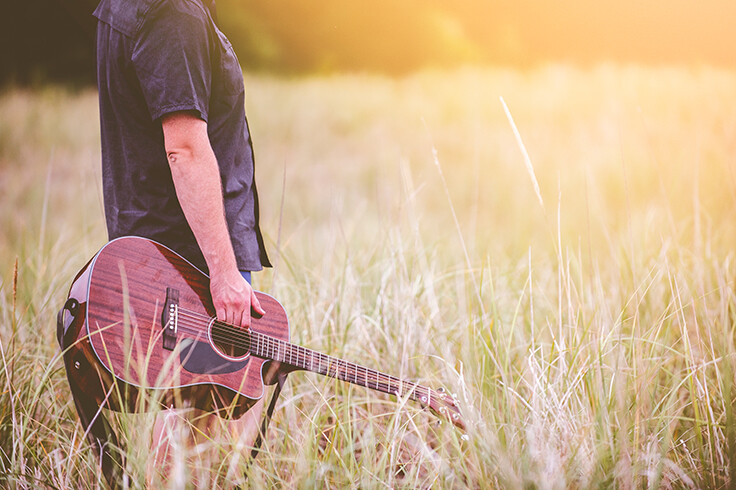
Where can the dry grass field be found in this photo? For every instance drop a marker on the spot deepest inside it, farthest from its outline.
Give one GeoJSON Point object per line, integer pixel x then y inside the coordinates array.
{"type": "Point", "coordinates": [587, 328]}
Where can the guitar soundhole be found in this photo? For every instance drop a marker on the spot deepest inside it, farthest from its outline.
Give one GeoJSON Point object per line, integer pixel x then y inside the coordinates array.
{"type": "Point", "coordinates": [229, 341]}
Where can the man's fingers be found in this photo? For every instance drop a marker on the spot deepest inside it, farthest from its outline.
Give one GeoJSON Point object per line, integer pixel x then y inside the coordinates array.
{"type": "Point", "coordinates": [245, 315]}
{"type": "Point", "coordinates": [238, 320]}
{"type": "Point", "coordinates": [221, 314]}
{"type": "Point", "coordinates": [256, 305]}
{"type": "Point", "coordinates": [235, 315]}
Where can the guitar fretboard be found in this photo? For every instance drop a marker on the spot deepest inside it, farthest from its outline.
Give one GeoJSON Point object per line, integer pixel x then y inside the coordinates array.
{"type": "Point", "coordinates": [300, 357]}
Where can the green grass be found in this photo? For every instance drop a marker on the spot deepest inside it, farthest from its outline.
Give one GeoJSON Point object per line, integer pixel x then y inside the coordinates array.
{"type": "Point", "coordinates": [588, 336]}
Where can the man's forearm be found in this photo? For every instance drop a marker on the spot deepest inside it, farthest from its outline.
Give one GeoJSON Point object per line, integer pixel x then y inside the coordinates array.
{"type": "Point", "coordinates": [197, 181]}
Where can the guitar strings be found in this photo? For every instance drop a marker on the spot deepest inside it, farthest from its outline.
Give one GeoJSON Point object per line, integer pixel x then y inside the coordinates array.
{"type": "Point", "coordinates": [196, 323]}
{"type": "Point", "coordinates": [229, 333]}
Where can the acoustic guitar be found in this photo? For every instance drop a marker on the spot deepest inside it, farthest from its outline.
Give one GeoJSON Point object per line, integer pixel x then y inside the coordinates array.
{"type": "Point", "coordinates": [143, 328]}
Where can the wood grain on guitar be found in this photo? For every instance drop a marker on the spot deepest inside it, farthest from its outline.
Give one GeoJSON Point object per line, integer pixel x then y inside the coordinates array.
{"type": "Point", "coordinates": [150, 327]}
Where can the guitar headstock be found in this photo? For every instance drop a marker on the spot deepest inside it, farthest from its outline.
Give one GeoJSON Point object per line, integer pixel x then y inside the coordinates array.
{"type": "Point", "coordinates": [446, 405]}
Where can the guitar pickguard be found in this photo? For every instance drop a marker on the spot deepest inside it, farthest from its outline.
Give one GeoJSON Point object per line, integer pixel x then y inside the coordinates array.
{"type": "Point", "coordinates": [200, 358]}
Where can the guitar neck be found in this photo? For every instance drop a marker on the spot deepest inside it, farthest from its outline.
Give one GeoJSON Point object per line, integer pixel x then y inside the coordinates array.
{"type": "Point", "coordinates": [300, 357]}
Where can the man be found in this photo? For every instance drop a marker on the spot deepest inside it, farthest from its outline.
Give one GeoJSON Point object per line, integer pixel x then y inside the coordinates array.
{"type": "Point", "coordinates": [177, 158]}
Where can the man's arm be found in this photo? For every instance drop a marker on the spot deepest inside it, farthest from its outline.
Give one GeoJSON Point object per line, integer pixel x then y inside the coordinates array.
{"type": "Point", "coordinates": [199, 190]}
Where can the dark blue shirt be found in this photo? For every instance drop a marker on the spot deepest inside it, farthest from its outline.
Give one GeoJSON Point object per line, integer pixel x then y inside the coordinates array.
{"type": "Point", "coordinates": [155, 57]}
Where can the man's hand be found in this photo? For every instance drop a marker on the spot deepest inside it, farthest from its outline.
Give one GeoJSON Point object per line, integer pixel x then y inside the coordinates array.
{"type": "Point", "coordinates": [233, 297]}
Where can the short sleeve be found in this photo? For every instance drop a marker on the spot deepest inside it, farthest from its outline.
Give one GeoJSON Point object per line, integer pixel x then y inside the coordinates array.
{"type": "Point", "coordinates": [172, 60]}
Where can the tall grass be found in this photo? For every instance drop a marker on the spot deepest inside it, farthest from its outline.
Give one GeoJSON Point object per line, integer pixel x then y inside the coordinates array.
{"type": "Point", "coordinates": [588, 334]}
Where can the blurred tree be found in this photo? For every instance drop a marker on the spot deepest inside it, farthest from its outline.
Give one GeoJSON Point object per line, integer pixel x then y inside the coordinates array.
{"type": "Point", "coordinates": [47, 40]}
{"type": "Point", "coordinates": [382, 35]}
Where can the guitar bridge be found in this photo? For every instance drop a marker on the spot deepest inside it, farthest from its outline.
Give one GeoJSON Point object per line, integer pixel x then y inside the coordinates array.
{"type": "Point", "coordinates": [170, 318]}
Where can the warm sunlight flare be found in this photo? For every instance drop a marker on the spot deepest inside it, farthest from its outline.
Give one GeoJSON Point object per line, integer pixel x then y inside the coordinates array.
{"type": "Point", "coordinates": [399, 36]}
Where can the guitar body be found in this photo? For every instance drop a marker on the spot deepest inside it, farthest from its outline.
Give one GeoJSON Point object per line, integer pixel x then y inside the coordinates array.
{"type": "Point", "coordinates": [142, 333]}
